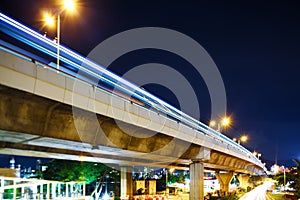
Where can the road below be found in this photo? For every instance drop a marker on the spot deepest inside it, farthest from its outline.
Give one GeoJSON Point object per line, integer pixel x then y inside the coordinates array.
{"type": "Point", "coordinates": [258, 193]}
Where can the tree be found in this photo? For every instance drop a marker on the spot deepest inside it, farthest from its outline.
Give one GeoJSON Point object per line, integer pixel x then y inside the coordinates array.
{"type": "Point", "coordinates": [296, 172]}
{"type": "Point", "coordinates": [96, 175]}
{"type": "Point", "coordinates": [293, 177]}
{"type": "Point", "coordinates": [66, 170]}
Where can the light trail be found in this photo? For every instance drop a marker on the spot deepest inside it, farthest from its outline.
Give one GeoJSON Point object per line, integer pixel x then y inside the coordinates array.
{"type": "Point", "coordinates": [258, 193]}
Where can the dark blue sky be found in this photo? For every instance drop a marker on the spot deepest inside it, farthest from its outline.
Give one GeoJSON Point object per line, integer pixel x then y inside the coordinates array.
{"type": "Point", "coordinates": [255, 45]}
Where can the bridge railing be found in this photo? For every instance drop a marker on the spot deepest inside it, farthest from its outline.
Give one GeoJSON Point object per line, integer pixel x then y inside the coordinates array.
{"type": "Point", "coordinates": [80, 67]}
{"type": "Point", "coordinates": [21, 188]}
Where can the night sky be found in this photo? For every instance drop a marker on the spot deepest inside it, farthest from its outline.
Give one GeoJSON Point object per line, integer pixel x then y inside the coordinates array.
{"type": "Point", "coordinates": [255, 45]}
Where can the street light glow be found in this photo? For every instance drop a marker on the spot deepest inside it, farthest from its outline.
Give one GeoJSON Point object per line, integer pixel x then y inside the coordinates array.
{"type": "Point", "coordinates": [222, 123]}
{"type": "Point", "coordinates": [69, 5]}
{"type": "Point", "coordinates": [244, 138]}
{"type": "Point", "coordinates": [212, 123]}
{"type": "Point", "coordinates": [49, 19]}
{"type": "Point", "coordinates": [226, 121]}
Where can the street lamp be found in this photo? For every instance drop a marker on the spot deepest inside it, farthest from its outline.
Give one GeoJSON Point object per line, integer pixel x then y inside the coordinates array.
{"type": "Point", "coordinates": [243, 138]}
{"type": "Point", "coordinates": [258, 155]}
{"type": "Point", "coordinates": [284, 177]}
{"type": "Point", "coordinates": [224, 122]}
{"type": "Point", "coordinates": [255, 153]}
{"type": "Point", "coordinates": [68, 5]}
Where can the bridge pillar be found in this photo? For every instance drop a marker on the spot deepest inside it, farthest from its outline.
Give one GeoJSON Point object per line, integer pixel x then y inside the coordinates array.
{"type": "Point", "coordinates": [243, 179]}
{"type": "Point", "coordinates": [197, 174]}
{"type": "Point", "coordinates": [196, 180]}
{"type": "Point", "coordinates": [126, 182]}
{"type": "Point", "coordinates": [224, 179]}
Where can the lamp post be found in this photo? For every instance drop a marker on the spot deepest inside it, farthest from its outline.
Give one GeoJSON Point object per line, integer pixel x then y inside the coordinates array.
{"type": "Point", "coordinates": [284, 177]}
{"type": "Point", "coordinates": [258, 155]}
{"type": "Point", "coordinates": [224, 122]}
{"type": "Point", "coordinates": [69, 5]}
{"type": "Point", "coordinates": [243, 138]}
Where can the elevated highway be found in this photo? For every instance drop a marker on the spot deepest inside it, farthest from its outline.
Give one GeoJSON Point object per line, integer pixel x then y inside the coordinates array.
{"type": "Point", "coordinates": [60, 113]}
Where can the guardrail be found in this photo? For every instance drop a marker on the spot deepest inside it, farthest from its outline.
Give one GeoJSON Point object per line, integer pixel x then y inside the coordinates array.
{"type": "Point", "coordinates": [22, 188]}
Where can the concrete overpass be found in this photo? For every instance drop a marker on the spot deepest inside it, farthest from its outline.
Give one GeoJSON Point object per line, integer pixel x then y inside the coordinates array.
{"type": "Point", "coordinates": [60, 115]}
{"type": "Point", "coordinates": [43, 115]}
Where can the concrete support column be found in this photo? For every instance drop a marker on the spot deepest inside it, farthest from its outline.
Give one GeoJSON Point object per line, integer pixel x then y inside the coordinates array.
{"type": "Point", "coordinates": [126, 182]}
{"type": "Point", "coordinates": [224, 179]}
{"type": "Point", "coordinates": [196, 180]}
{"type": "Point", "coordinates": [197, 173]}
{"type": "Point", "coordinates": [243, 179]}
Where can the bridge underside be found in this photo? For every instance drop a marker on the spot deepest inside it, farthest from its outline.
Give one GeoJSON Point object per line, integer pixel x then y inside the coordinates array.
{"type": "Point", "coordinates": [57, 130]}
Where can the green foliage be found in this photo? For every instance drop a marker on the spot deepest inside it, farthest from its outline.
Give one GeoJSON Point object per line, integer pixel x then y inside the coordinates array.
{"type": "Point", "coordinates": [234, 180]}
{"type": "Point", "coordinates": [277, 196]}
{"type": "Point", "coordinates": [8, 194]}
{"type": "Point", "coordinates": [240, 191]}
{"type": "Point", "coordinates": [232, 196]}
{"type": "Point", "coordinates": [178, 178]}
{"type": "Point", "coordinates": [280, 178]}
{"type": "Point", "coordinates": [296, 173]}
{"type": "Point", "coordinates": [66, 170]}
{"type": "Point", "coordinates": [292, 176]}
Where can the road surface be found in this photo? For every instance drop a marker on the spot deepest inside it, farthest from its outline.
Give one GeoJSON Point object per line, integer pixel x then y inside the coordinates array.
{"type": "Point", "coordinates": [258, 193]}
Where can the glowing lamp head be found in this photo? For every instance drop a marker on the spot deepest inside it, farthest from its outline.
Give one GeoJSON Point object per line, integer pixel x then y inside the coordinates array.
{"type": "Point", "coordinates": [49, 19]}
{"type": "Point", "coordinates": [69, 5]}
{"type": "Point", "coordinates": [244, 138]}
{"type": "Point", "coordinates": [225, 121]}
{"type": "Point", "coordinates": [212, 123]}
